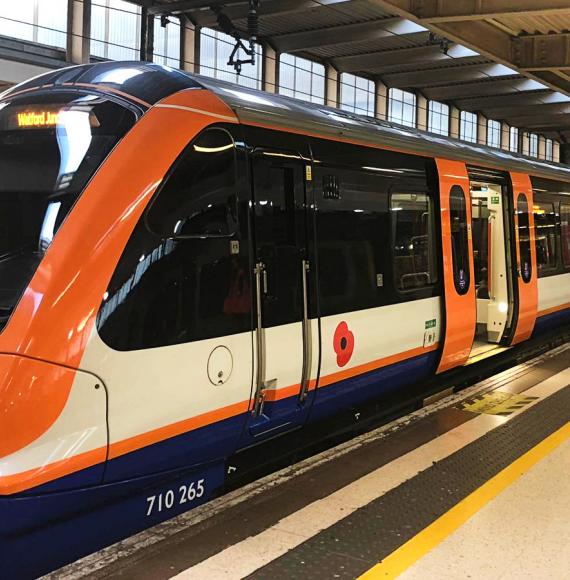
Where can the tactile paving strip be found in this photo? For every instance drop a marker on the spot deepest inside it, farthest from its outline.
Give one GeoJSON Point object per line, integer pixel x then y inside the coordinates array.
{"type": "Point", "coordinates": [358, 542]}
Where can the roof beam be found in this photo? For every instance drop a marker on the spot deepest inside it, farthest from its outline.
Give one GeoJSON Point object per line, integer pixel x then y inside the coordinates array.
{"type": "Point", "coordinates": [360, 31]}
{"type": "Point", "coordinates": [480, 36]}
{"type": "Point", "coordinates": [482, 88]}
{"type": "Point", "coordinates": [541, 109]}
{"type": "Point", "coordinates": [455, 74]}
{"type": "Point", "coordinates": [533, 121]}
{"type": "Point", "coordinates": [402, 56]}
{"type": "Point", "coordinates": [434, 11]}
{"type": "Point", "coordinates": [238, 9]}
{"type": "Point", "coordinates": [182, 6]}
{"type": "Point", "coordinates": [537, 97]}
{"type": "Point", "coordinates": [542, 129]}
{"type": "Point", "coordinates": [509, 99]}
{"type": "Point", "coordinates": [542, 52]}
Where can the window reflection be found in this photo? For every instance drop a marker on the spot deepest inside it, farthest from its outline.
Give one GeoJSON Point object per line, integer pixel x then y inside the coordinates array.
{"type": "Point", "coordinates": [50, 146]}
{"type": "Point", "coordinates": [413, 231]}
{"type": "Point", "coordinates": [459, 239]}
{"type": "Point", "coordinates": [545, 222]}
{"type": "Point", "coordinates": [74, 137]}
{"type": "Point", "coordinates": [565, 231]}
{"type": "Point", "coordinates": [183, 275]}
{"type": "Point", "coordinates": [524, 238]}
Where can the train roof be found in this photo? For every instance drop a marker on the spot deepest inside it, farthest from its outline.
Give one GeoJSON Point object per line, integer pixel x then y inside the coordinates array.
{"type": "Point", "coordinates": [148, 83]}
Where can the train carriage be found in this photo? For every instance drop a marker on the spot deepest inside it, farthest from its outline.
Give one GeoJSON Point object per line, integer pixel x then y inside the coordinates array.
{"type": "Point", "coordinates": [190, 268]}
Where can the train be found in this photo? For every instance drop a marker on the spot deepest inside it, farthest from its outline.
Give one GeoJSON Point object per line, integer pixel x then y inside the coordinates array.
{"type": "Point", "coordinates": [190, 268]}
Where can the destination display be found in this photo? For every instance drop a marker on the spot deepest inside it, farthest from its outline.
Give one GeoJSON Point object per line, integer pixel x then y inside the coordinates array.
{"type": "Point", "coordinates": [44, 117]}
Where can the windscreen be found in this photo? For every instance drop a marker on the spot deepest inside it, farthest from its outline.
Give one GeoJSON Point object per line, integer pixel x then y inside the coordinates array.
{"type": "Point", "coordinates": [50, 146]}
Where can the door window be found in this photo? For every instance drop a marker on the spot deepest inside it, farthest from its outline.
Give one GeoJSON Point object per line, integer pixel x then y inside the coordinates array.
{"type": "Point", "coordinates": [459, 239]}
{"type": "Point", "coordinates": [480, 224]}
{"type": "Point", "coordinates": [413, 240]}
{"type": "Point", "coordinates": [545, 223]}
{"type": "Point", "coordinates": [524, 238]}
{"type": "Point", "coordinates": [279, 231]}
{"type": "Point", "coordinates": [565, 233]}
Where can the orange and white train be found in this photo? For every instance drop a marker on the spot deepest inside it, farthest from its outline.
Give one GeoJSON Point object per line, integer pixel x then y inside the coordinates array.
{"type": "Point", "coordinates": [189, 267]}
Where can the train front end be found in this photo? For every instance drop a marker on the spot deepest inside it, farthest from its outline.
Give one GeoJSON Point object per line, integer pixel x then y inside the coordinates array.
{"type": "Point", "coordinates": [82, 151]}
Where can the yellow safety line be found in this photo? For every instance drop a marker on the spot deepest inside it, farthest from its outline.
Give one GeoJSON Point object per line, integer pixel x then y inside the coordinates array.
{"type": "Point", "coordinates": [410, 552]}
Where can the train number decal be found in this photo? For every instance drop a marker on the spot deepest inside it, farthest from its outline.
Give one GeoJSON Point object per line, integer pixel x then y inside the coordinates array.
{"type": "Point", "coordinates": [171, 498]}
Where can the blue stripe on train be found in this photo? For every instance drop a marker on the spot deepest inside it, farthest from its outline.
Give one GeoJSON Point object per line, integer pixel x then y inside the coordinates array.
{"type": "Point", "coordinates": [357, 390]}
{"type": "Point", "coordinates": [42, 533]}
{"type": "Point", "coordinates": [552, 321]}
{"type": "Point", "coordinates": [44, 528]}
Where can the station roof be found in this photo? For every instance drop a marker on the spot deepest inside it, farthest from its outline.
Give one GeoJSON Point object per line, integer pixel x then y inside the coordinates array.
{"type": "Point", "coordinates": [508, 59]}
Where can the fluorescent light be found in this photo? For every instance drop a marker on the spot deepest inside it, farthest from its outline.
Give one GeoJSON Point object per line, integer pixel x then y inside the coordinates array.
{"type": "Point", "coordinates": [200, 149]}
{"type": "Point", "coordinates": [383, 170]}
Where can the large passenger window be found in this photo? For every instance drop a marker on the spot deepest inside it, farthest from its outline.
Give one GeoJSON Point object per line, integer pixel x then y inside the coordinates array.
{"type": "Point", "coordinates": [524, 238]}
{"type": "Point", "coordinates": [199, 198]}
{"type": "Point", "coordinates": [184, 275]}
{"type": "Point", "coordinates": [352, 234]}
{"type": "Point", "coordinates": [565, 231]}
{"type": "Point", "coordinates": [545, 222]}
{"type": "Point", "coordinates": [413, 240]}
{"type": "Point", "coordinates": [459, 239]}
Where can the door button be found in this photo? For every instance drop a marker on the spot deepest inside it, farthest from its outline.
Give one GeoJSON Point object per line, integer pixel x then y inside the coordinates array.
{"type": "Point", "coordinates": [220, 365]}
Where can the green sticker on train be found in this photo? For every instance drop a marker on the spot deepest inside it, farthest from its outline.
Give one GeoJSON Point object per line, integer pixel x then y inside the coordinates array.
{"type": "Point", "coordinates": [495, 200]}
{"type": "Point", "coordinates": [431, 323]}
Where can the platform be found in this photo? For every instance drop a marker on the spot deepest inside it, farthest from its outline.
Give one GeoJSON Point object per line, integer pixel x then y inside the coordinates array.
{"type": "Point", "coordinates": [472, 486]}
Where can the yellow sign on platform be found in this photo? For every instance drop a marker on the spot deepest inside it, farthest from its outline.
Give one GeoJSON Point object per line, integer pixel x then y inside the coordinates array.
{"type": "Point", "coordinates": [497, 403]}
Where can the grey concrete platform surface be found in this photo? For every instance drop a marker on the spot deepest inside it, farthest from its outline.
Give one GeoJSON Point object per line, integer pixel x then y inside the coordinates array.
{"type": "Point", "coordinates": [339, 514]}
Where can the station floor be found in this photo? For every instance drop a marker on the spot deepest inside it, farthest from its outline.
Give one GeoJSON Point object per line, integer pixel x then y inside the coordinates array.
{"type": "Point", "coordinates": [476, 485]}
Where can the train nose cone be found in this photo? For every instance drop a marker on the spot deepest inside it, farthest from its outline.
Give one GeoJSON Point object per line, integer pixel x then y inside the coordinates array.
{"type": "Point", "coordinates": [32, 396]}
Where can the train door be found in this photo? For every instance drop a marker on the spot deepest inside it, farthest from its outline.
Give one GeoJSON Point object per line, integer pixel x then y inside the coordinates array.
{"type": "Point", "coordinates": [458, 271]}
{"type": "Point", "coordinates": [286, 340]}
{"type": "Point", "coordinates": [525, 270]}
{"type": "Point", "coordinates": [492, 261]}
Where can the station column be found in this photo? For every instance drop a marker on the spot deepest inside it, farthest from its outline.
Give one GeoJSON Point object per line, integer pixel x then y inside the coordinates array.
{"type": "Point", "coordinates": [556, 152]}
{"type": "Point", "coordinates": [454, 116]}
{"type": "Point", "coordinates": [505, 136]}
{"type": "Point", "coordinates": [381, 101]}
{"type": "Point", "coordinates": [78, 47]}
{"type": "Point", "coordinates": [190, 46]}
{"type": "Point", "coordinates": [332, 87]}
{"type": "Point", "coordinates": [422, 112]}
{"type": "Point", "coordinates": [541, 147]}
{"type": "Point", "coordinates": [270, 69]}
{"type": "Point", "coordinates": [481, 129]}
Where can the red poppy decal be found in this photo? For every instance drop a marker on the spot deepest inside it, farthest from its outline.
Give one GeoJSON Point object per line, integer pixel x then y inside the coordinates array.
{"type": "Point", "coordinates": [343, 343]}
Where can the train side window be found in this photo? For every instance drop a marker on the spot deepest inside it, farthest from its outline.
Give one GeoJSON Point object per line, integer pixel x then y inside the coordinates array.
{"type": "Point", "coordinates": [459, 239]}
{"type": "Point", "coordinates": [565, 233]}
{"type": "Point", "coordinates": [198, 198]}
{"type": "Point", "coordinates": [413, 240]}
{"type": "Point", "coordinates": [524, 238]}
{"type": "Point", "coordinates": [180, 279]}
{"type": "Point", "coordinates": [352, 240]}
{"type": "Point", "coordinates": [545, 222]}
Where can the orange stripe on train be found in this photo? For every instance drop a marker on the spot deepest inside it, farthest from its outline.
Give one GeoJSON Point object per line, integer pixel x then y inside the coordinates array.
{"type": "Point", "coordinates": [553, 309]}
{"type": "Point", "coordinates": [25, 480]}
